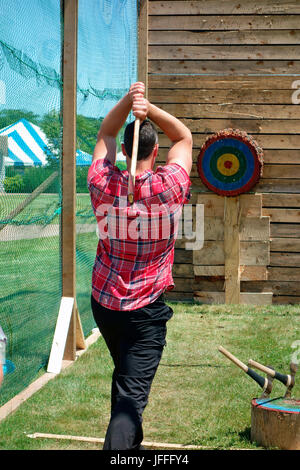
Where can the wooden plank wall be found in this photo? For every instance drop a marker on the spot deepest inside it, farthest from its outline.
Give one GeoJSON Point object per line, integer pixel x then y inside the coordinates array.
{"type": "Point", "coordinates": [232, 64]}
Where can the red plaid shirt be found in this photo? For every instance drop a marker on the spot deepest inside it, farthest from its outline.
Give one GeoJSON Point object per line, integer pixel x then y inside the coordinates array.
{"type": "Point", "coordinates": [135, 252]}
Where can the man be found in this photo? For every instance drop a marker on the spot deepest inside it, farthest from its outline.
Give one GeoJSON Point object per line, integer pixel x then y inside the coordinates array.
{"type": "Point", "coordinates": [133, 265]}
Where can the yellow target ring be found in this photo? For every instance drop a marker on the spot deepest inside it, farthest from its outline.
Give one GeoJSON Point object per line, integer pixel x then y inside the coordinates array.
{"type": "Point", "coordinates": [228, 164]}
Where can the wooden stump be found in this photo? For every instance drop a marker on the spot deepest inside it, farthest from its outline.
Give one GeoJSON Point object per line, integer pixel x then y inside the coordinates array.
{"type": "Point", "coordinates": [276, 426]}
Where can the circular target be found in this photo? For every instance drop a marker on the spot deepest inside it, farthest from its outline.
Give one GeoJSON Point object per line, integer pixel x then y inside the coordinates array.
{"type": "Point", "coordinates": [230, 162]}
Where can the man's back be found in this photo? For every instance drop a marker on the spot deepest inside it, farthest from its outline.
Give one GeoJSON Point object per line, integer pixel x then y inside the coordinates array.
{"type": "Point", "coordinates": [133, 264]}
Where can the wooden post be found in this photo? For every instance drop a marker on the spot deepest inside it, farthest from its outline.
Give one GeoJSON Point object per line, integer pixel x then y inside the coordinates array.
{"type": "Point", "coordinates": [232, 250]}
{"type": "Point", "coordinates": [3, 154]}
{"type": "Point", "coordinates": [143, 44]}
{"type": "Point", "coordinates": [68, 221]}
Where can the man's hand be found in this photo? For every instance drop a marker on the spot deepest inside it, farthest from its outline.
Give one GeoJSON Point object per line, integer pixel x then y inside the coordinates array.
{"type": "Point", "coordinates": [137, 88]}
{"type": "Point", "coordinates": [140, 107]}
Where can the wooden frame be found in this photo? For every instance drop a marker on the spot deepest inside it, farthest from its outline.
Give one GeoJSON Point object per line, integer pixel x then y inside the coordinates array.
{"type": "Point", "coordinates": [75, 336]}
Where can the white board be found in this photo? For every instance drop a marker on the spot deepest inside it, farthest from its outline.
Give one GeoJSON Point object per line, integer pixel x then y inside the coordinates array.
{"type": "Point", "coordinates": [60, 335]}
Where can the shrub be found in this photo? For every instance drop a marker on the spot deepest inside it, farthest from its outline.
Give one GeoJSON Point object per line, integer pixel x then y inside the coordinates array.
{"type": "Point", "coordinates": [14, 184]}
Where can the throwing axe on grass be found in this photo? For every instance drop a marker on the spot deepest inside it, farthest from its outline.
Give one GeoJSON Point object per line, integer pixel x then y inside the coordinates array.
{"type": "Point", "coordinates": [266, 383]}
{"type": "Point", "coordinates": [288, 380]}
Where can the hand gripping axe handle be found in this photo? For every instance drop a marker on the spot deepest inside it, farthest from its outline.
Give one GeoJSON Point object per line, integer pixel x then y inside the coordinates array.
{"type": "Point", "coordinates": [264, 383]}
{"type": "Point", "coordinates": [288, 380]}
{"type": "Point", "coordinates": [135, 146]}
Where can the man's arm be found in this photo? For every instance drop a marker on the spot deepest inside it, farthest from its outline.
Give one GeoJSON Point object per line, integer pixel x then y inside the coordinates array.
{"type": "Point", "coordinates": [181, 148]}
{"type": "Point", "coordinates": [106, 146]}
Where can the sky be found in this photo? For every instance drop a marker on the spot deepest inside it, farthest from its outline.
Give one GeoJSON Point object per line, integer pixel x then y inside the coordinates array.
{"type": "Point", "coordinates": [30, 39]}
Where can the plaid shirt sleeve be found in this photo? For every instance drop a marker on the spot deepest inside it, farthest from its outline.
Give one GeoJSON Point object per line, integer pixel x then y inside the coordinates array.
{"type": "Point", "coordinates": [175, 176]}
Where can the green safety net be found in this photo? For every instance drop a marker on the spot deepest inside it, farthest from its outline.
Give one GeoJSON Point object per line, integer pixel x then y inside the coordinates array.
{"type": "Point", "coordinates": [31, 35]}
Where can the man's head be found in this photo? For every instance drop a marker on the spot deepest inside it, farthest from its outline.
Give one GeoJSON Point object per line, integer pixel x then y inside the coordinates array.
{"type": "Point", "coordinates": [148, 139]}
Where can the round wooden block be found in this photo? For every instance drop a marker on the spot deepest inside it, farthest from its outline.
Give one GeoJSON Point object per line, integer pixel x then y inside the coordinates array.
{"type": "Point", "coordinates": [276, 423]}
{"type": "Point", "coordinates": [230, 162]}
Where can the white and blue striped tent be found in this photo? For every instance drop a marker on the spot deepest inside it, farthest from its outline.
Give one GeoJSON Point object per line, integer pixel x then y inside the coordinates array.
{"type": "Point", "coordinates": [29, 146]}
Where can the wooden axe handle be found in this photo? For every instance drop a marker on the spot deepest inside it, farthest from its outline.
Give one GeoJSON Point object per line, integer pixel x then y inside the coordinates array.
{"type": "Point", "coordinates": [261, 367]}
{"type": "Point", "coordinates": [264, 383]}
{"type": "Point", "coordinates": [135, 146]}
{"type": "Point", "coordinates": [234, 359]}
{"type": "Point", "coordinates": [286, 379]}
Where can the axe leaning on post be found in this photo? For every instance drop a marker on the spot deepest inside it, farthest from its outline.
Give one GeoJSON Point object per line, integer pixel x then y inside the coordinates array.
{"type": "Point", "coordinates": [287, 379]}
{"type": "Point", "coordinates": [135, 146]}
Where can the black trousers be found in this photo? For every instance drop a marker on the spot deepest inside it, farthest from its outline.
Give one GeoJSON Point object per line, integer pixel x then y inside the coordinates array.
{"type": "Point", "coordinates": [135, 340]}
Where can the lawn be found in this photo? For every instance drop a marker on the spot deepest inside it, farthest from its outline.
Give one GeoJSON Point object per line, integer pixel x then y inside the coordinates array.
{"type": "Point", "coordinates": [198, 397]}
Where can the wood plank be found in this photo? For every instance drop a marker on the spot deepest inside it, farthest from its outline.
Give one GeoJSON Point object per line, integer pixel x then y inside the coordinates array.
{"type": "Point", "coordinates": [256, 298]}
{"type": "Point", "coordinates": [251, 96]}
{"type": "Point", "coordinates": [183, 271]}
{"type": "Point", "coordinates": [270, 156]}
{"type": "Point", "coordinates": [285, 142]}
{"type": "Point", "coordinates": [226, 7]}
{"type": "Point", "coordinates": [285, 244]}
{"type": "Point", "coordinates": [183, 256]}
{"type": "Point", "coordinates": [60, 335]}
{"type": "Point", "coordinates": [209, 271]}
{"type": "Point", "coordinates": [282, 171]}
{"type": "Point", "coordinates": [200, 38]}
{"type": "Point", "coordinates": [277, 287]}
{"type": "Point", "coordinates": [281, 299]}
{"type": "Point", "coordinates": [252, 126]}
{"type": "Point", "coordinates": [284, 259]}
{"type": "Point", "coordinates": [143, 43]}
{"type": "Point", "coordinates": [265, 185]}
{"type": "Point", "coordinates": [251, 229]}
{"type": "Point", "coordinates": [281, 200]}
{"type": "Point", "coordinates": [283, 274]}
{"type": "Point", "coordinates": [251, 253]}
{"type": "Point", "coordinates": [179, 296]}
{"type": "Point", "coordinates": [232, 111]}
{"type": "Point", "coordinates": [223, 23]}
{"type": "Point", "coordinates": [237, 82]}
{"type": "Point", "coordinates": [183, 284]}
{"type": "Point", "coordinates": [68, 218]}
{"type": "Point", "coordinates": [209, 297]}
{"type": "Point", "coordinates": [250, 204]}
{"type": "Point", "coordinates": [254, 229]}
{"type": "Point", "coordinates": [285, 230]}
{"type": "Point", "coordinates": [224, 67]}
{"type": "Point", "coordinates": [282, 215]}
{"type": "Point", "coordinates": [221, 52]}
{"type": "Point", "coordinates": [262, 298]}
{"type": "Point", "coordinates": [253, 273]}
{"type": "Point", "coordinates": [232, 249]}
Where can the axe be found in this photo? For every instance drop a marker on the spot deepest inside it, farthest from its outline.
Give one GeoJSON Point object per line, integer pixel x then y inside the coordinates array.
{"type": "Point", "coordinates": [265, 383]}
{"type": "Point", "coordinates": [135, 145]}
{"type": "Point", "coordinates": [287, 380]}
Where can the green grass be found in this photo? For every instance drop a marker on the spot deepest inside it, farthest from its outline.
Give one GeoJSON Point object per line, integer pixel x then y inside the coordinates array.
{"type": "Point", "coordinates": [198, 396]}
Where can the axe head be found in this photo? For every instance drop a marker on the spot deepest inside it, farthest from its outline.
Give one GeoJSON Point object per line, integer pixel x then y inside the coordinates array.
{"type": "Point", "coordinates": [268, 385]}
{"type": "Point", "coordinates": [291, 382]}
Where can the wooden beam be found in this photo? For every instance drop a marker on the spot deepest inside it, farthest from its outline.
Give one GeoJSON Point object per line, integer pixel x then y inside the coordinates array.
{"type": "Point", "coordinates": [68, 227]}
{"type": "Point", "coordinates": [143, 44]}
{"type": "Point", "coordinates": [232, 250]}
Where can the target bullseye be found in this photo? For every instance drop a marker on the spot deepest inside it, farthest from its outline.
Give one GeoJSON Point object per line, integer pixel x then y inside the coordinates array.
{"type": "Point", "coordinates": [230, 162]}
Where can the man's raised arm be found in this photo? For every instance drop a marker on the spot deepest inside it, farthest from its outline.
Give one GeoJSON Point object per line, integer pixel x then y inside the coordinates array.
{"type": "Point", "coordinates": [181, 138]}
{"type": "Point", "coordinates": [106, 146]}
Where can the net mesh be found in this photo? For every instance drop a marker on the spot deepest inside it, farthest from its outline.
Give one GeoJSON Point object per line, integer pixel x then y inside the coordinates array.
{"type": "Point", "coordinates": [30, 162]}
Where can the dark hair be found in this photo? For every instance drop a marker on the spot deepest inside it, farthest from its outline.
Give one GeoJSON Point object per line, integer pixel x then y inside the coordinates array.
{"type": "Point", "coordinates": [148, 137]}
